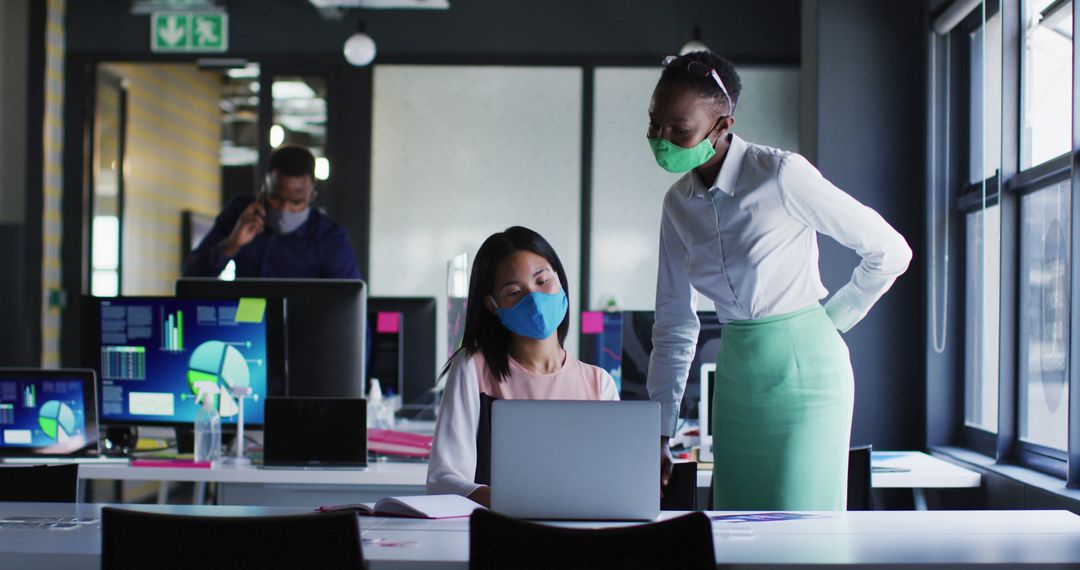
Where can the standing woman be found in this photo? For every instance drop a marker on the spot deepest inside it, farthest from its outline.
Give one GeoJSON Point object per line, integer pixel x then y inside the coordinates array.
{"type": "Point", "coordinates": [741, 228]}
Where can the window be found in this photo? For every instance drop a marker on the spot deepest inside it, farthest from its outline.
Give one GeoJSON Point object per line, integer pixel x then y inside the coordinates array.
{"type": "Point", "coordinates": [984, 110]}
{"type": "Point", "coordinates": [983, 285]}
{"type": "Point", "coordinates": [1014, 118]}
{"type": "Point", "coordinates": [1047, 81]}
{"type": "Point", "coordinates": [1044, 316]}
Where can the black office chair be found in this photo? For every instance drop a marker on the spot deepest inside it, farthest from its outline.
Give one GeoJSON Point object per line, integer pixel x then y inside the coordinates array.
{"type": "Point", "coordinates": [134, 539]}
{"type": "Point", "coordinates": [860, 495]}
{"type": "Point", "coordinates": [680, 494]}
{"type": "Point", "coordinates": [497, 541]}
{"type": "Point", "coordinates": [40, 483]}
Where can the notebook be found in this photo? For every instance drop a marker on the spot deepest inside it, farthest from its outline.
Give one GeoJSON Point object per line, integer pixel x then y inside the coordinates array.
{"type": "Point", "coordinates": [416, 506]}
{"type": "Point", "coordinates": [324, 433]}
{"type": "Point", "coordinates": [584, 460]}
{"type": "Point", "coordinates": [48, 414]}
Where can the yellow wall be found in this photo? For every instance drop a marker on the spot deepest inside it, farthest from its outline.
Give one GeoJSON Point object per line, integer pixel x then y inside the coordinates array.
{"type": "Point", "coordinates": [171, 164]}
{"type": "Point", "coordinates": [52, 142]}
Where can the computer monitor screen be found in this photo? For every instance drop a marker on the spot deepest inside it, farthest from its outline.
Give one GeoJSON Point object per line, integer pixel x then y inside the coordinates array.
{"type": "Point", "coordinates": [325, 323]}
{"type": "Point", "coordinates": [637, 346]}
{"type": "Point", "coordinates": [153, 355]}
{"type": "Point", "coordinates": [419, 362]}
{"type": "Point", "coordinates": [47, 413]}
{"type": "Point", "coordinates": [386, 357]}
{"type": "Point", "coordinates": [601, 342]}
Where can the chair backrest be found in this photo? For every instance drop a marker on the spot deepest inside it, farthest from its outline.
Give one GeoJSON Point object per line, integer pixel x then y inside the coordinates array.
{"type": "Point", "coordinates": [40, 483]}
{"type": "Point", "coordinates": [860, 485]}
{"type": "Point", "coordinates": [497, 541]}
{"type": "Point", "coordinates": [134, 539]}
{"type": "Point", "coordinates": [680, 494]}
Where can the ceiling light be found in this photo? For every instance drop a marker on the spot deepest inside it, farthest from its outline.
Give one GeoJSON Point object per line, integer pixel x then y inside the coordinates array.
{"type": "Point", "coordinates": [359, 49]}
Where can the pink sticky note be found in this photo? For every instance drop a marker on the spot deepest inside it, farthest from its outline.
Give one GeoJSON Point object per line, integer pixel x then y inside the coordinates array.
{"type": "Point", "coordinates": [388, 323]}
{"type": "Point", "coordinates": [592, 322]}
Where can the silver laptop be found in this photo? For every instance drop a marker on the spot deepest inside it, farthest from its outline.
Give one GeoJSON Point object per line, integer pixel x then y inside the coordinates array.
{"type": "Point", "coordinates": [579, 460]}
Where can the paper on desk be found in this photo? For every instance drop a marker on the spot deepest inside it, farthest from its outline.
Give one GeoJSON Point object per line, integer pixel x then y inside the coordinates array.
{"type": "Point", "coordinates": [764, 517]}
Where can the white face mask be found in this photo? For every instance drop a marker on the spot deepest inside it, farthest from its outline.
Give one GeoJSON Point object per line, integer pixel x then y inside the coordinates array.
{"type": "Point", "coordinates": [285, 222]}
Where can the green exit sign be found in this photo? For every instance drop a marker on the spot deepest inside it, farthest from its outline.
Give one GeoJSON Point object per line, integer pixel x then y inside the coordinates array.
{"type": "Point", "coordinates": [189, 32]}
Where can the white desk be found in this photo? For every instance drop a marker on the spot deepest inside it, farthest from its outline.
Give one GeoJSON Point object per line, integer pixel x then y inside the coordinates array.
{"type": "Point", "coordinates": [938, 539]}
{"type": "Point", "coordinates": [281, 487]}
{"type": "Point", "coordinates": [916, 471]}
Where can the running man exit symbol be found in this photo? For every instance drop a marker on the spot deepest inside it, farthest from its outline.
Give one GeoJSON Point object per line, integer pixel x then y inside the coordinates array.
{"type": "Point", "coordinates": [189, 32]}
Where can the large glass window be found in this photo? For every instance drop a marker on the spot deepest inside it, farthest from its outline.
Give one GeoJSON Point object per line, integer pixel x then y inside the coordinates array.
{"type": "Point", "coordinates": [1047, 77]}
{"type": "Point", "coordinates": [984, 110]}
{"type": "Point", "coordinates": [1044, 316]}
{"type": "Point", "coordinates": [981, 313]}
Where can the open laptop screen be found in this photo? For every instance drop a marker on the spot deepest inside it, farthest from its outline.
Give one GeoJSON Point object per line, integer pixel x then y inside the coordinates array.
{"type": "Point", "coordinates": [48, 413]}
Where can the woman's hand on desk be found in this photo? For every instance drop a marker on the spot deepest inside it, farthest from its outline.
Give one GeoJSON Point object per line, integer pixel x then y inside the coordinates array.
{"type": "Point", "coordinates": [482, 495]}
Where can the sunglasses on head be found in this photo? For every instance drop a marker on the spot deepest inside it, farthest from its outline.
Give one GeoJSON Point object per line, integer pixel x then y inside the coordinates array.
{"type": "Point", "coordinates": [701, 70]}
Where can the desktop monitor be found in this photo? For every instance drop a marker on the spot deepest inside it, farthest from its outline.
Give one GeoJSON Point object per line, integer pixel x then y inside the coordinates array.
{"type": "Point", "coordinates": [325, 329]}
{"type": "Point", "coordinates": [386, 357]}
{"type": "Point", "coordinates": [47, 413]}
{"type": "Point", "coordinates": [153, 355]}
{"type": "Point", "coordinates": [601, 342]}
{"type": "Point", "coordinates": [419, 359]}
{"type": "Point", "coordinates": [637, 346]}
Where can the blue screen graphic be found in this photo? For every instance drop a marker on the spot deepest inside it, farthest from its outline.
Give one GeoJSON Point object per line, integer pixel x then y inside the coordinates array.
{"type": "Point", "coordinates": [158, 354]}
{"type": "Point", "coordinates": [49, 415]}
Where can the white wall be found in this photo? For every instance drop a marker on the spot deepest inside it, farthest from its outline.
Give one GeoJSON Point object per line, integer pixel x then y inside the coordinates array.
{"type": "Point", "coordinates": [462, 152]}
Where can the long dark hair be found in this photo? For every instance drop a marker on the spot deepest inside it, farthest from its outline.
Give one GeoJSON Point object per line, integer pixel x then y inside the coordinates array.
{"type": "Point", "coordinates": [483, 330]}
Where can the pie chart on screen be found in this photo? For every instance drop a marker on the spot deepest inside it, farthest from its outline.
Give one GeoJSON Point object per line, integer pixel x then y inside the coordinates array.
{"type": "Point", "coordinates": [57, 420]}
{"type": "Point", "coordinates": [216, 366]}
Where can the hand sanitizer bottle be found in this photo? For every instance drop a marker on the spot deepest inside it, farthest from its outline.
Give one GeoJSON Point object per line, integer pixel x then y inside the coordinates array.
{"type": "Point", "coordinates": [207, 428]}
{"type": "Point", "coordinates": [375, 406]}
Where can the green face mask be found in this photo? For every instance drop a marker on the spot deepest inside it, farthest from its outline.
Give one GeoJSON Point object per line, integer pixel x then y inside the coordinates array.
{"type": "Point", "coordinates": [674, 158]}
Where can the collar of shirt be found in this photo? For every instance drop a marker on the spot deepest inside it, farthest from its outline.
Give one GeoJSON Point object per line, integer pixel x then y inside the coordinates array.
{"type": "Point", "coordinates": [729, 171]}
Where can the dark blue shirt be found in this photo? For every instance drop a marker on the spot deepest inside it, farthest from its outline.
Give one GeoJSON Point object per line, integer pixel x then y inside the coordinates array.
{"type": "Point", "coordinates": [319, 248]}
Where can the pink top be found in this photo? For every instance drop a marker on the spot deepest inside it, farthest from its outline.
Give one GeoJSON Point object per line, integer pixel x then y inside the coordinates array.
{"type": "Point", "coordinates": [452, 467]}
{"type": "Point", "coordinates": [574, 381]}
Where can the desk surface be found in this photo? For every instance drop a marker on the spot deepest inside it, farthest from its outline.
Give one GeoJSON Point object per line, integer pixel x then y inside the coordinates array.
{"type": "Point", "coordinates": [923, 471]}
{"type": "Point", "coordinates": [884, 538]}
{"type": "Point", "coordinates": [915, 470]}
{"type": "Point", "coordinates": [381, 473]}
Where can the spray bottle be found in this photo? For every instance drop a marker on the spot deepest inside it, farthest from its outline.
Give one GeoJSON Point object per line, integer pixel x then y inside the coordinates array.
{"type": "Point", "coordinates": [207, 425]}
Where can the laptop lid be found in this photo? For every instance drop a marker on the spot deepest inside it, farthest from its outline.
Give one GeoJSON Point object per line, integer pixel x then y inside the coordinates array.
{"type": "Point", "coordinates": [568, 460]}
{"type": "Point", "coordinates": [315, 432]}
{"type": "Point", "coordinates": [48, 413]}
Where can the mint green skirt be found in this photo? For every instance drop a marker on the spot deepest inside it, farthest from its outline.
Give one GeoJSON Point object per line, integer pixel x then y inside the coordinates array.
{"type": "Point", "coordinates": [782, 402]}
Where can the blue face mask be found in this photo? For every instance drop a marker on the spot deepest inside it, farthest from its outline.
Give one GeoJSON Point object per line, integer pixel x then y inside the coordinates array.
{"type": "Point", "coordinates": [537, 316]}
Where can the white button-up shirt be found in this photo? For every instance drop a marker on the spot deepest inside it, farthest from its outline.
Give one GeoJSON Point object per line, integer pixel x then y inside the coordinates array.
{"type": "Point", "coordinates": [749, 243]}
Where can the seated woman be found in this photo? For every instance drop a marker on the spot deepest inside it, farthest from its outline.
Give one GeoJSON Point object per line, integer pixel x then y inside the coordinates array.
{"type": "Point", "coordinates": [516, 321]}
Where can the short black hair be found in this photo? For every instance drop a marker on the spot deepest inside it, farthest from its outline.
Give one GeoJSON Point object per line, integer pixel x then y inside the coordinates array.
{"type": "Point", "coordinates": [484, 332]}
{"type": "Point", "coordinates": [292, 160]}
{"type": "Point", "coordinates": [676, 74]}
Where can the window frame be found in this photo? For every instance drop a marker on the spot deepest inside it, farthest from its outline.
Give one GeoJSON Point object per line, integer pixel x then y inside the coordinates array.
{"type": "Point", "coordinates": [1005, 445]}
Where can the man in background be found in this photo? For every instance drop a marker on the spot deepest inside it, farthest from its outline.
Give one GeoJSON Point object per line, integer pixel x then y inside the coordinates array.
{"type": "Point", "coordinates": [276, 232]}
